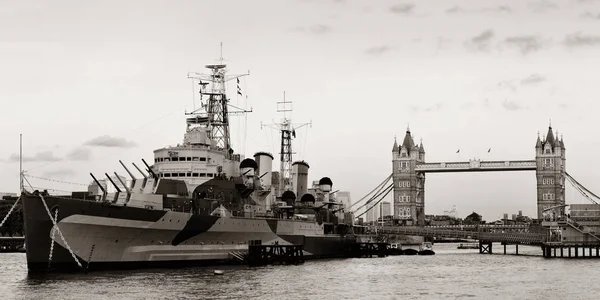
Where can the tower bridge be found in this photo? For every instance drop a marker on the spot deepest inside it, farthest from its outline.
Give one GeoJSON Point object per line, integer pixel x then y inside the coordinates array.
{"type": "Point", "coordinates": [410, 167]}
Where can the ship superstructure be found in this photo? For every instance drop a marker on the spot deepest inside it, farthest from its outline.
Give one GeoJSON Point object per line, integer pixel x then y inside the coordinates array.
{"type": "Point", "coordinates": [206, 150]}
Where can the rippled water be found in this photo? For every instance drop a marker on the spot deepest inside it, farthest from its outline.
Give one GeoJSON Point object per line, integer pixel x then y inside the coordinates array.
{"type": "Point", "coordinates": [450, 274]}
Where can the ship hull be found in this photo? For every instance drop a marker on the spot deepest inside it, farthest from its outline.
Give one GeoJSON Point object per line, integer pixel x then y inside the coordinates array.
{"type": "Point", "coordinates": [103, 236]}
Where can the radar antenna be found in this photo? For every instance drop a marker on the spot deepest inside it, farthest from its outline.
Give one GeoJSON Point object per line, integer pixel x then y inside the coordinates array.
{"type": "Point", "coordinates": [288, 131]}
{"type": "Point", "coordinates": [214, 112]}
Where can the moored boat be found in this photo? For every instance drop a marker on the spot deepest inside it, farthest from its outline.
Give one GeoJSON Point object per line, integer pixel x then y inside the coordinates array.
{"type": "Point", "coordinates": [199, 203]}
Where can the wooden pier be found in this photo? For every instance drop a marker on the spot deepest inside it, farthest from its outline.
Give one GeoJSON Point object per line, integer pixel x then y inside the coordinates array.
{"type": "Point", "coordinates": [260, 255]}
{"type": "Point", "coordinates": [378, 249]}
{"type": "Point", "coordinates": [571, 250]}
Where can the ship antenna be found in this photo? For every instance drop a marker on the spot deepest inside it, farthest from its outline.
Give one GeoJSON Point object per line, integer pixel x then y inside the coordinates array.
{"type": "Point", "coordinates": [288, 131]}
{"type": "Point", "coordinates": [221, 49]}
{"type": "Point", "coordinates": [215, 118]}
{"type": "Point", "coordinates": [20, 163]}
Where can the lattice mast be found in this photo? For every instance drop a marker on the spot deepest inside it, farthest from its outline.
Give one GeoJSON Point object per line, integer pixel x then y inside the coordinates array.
{"type": "Point", "coordinates": [214, 111]}
{"type": "Point", "coordinates": [288, 132]}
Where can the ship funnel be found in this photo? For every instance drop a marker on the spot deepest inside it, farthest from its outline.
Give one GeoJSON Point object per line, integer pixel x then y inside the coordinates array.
{"type": "Point", "coordinates": [325, 184]}
{"type": "Point", "coordinates": [264, 161]}
{"type": "Point", "coordinates": [300, 177]}
{"type": "Point", "coordinates": [248, 167]}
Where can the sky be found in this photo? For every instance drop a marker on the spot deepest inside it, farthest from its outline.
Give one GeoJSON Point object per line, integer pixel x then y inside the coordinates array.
{"type": "Point", "coordinates": [89, 83]}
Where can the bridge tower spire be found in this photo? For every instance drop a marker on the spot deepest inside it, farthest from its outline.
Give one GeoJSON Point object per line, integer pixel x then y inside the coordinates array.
{"type": "Point", "coordinates": [409, 205]}
{"type": "Point", "coordinates": [550, 172]}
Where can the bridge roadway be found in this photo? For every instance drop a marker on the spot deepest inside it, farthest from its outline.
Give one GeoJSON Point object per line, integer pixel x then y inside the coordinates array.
{"type": "Point", "coordinates": [526, 238]}
{"type": "Point", "coordinates": [476, 166]}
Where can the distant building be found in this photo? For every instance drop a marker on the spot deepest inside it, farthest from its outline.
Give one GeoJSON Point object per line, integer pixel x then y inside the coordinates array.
{"type": "Point", "coordinates": [372, 215]}
{"type": "Point", "coordinates": [473, 219]}
{"type": "Point", "coordinates": [385, 208]}
{"type": "Point", "coordinates": [344, 197]}
{"type": "Point", "coordinates": [2, 195]}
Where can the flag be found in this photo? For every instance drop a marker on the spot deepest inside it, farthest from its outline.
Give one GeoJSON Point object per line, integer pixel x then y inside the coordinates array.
{"type": "Point", "coordinates": [239, 93]}
{"type": "Point", "coordinates": [457, 150]}
{"type": "Point", "coordinates": [238, 80]}
{"type": "Point", "coordinates": [489, 150]}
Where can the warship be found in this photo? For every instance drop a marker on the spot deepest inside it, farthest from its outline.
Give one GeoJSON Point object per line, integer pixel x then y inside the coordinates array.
{"type": "Point", "coordinates": [199, 203]}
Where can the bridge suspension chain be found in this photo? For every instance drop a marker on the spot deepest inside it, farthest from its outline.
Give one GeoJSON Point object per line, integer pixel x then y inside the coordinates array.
{"type": "Point", "coordinates": [379, 192]}
{"type": "Point", "coordinates": [371, 192]}
{"type": "Point", "coordinates": [581, 189]}
{"type": "Point", "coordinates": [387, 191]}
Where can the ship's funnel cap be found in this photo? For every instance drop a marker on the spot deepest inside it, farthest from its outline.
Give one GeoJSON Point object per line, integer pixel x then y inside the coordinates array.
{"type": "Point", "coordinates": [248, 163]}
{"type": "Point", "coordinates": [307, 198]}
{"type": "Point", "coordinates": [325, 181]}
{"type": "Point", "coordinates": [288, 197]}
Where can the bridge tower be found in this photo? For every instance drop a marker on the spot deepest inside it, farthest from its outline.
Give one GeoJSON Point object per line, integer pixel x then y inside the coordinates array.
{"type": "Point", "coordinates": [409, 192]}
{"type": "Point", "coordinates": [550, 173]}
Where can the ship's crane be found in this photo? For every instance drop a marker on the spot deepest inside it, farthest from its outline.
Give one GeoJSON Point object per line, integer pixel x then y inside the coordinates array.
{"type": "Point", "coordinates": [288, 131]}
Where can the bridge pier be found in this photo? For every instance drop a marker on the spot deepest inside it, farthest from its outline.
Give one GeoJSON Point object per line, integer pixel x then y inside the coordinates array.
{"type": "Point", "coordinates": [516, 248]}
{"type": "Point", "coordinates": [485, 247]}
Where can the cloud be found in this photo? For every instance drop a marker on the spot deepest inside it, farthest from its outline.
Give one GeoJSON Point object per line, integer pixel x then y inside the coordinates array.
{"type": "Point", "coordinates": [542, 6]}
{"type": "Point", "coordinates": [578, 39]}
{"type": "Point", "coordinates": [507, 84]}
{"type": "Point", "coordinates": [500, 8]}
{"type": "Point", "coordinates": [533, 79]}
{"type": "Point", "coordinates": [403, 8]}
{"type": "Point", "coordinates": [58, 173]}
{"type": "Point", "coordinates": [40, 156]}
{"type": "Point", "coordinates": [513, 84]}
{"type": "Point", "coordinates": [496, 9]}
{"type": "Point", "coordinates": [429, 108]}
{"type": "Point", "coordinates": [109, 141]}
{"type": "Point", "coordinates": [80, 154]}
{"type": "Point", "coordinates": [525, 43]}
{"type": "Point", "coordinates": [378, 50]}
{"type": "Point", "coordinates": [481, 42]}
{"type": "Point", "coordinates": [317, 29]}
{"type": "Point", "coordinates": [512, 105]}
{"type": "Point", "coordinates": [589, 15]}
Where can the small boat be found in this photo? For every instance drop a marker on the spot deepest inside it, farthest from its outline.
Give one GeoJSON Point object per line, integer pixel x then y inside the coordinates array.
{"type": "Point", "coordinates": [219, 272]}
{"type": "Point", "coordinates": [395, 249]}
{"type": "Point", "coordinates": [426, 249]}
{"type": "Point", "coordinates": [467, 246]}
{"type": "Point", "coordinates": [410, 250]}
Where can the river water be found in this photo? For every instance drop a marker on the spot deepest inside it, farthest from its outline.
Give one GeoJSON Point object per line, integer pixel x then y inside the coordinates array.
{"type": "Point", "coordinates": [450, 274]}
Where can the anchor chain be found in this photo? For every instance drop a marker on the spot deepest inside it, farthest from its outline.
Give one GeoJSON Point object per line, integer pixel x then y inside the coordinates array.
{"type": "Point", "coordinates": [56, 225]}
{"type": "Point", "coordinates": [10, 211]}
{"type": "Point", "coordinates": [52, 239]}
{"type": "Point", "coordinates": [59, 232]}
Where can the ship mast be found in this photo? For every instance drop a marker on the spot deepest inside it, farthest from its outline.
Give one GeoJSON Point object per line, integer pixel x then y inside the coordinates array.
{"type": "Point", "coordinates": [214, 112]}
{"type": "Point", "coordinates": [288, 131]}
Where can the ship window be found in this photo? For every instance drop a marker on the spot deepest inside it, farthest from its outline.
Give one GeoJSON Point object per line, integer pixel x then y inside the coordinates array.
{"type": "Point", "coordinates": [181, 174]}
{"type": "Point", "coordinates": [167, 175]}
{"type": "Point", "coordinates": [202, 158]}
{"type": "Point", "coordinates": [194, 159]}
{"type": "Point", "coordinates": [188, 158]}
{"type": "Point", "coordinates": [202, 174]}
{"type": "Point", "coordinates": [167, 159]}
{"type": "Point", "coordinates": [189, 175]}
{"type": "Point", "coordinates": [194, 174]}
{"type": "Point", "coordinates": [209, 174]}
